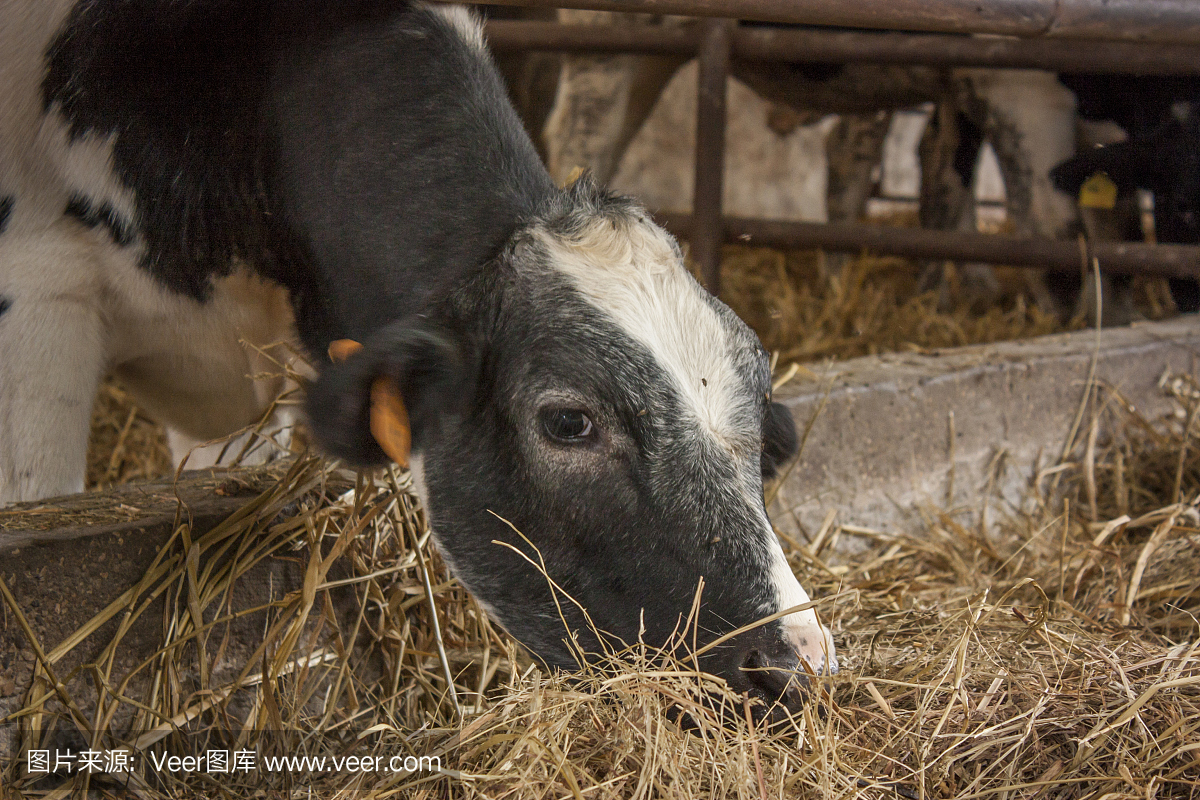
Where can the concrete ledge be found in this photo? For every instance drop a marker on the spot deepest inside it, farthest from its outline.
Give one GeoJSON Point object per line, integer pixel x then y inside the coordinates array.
{"type": "Point", "coordinates": [899, 432]}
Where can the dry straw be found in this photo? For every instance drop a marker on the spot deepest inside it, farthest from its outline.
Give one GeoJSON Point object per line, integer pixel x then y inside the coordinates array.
{"type": "Point", "coordinates": [125, 444]}
{"type": "Point", "coordinates": [1054, 653]}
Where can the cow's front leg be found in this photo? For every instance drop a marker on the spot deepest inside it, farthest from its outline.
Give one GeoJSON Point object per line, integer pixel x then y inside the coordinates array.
{"type": "Point", "coordinates": [259, 444]}
{"type": "Point", "coordinates": [52, 356]}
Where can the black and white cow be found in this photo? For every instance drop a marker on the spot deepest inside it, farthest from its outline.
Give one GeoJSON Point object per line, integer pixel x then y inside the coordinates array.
{"type": "Point", "coordinates": [1160, 154]}
{"type": "Point", "coordinates": [165, 167]}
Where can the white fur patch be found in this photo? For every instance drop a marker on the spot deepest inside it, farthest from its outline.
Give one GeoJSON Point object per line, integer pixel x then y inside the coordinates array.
{"type": "Point", "coordinates": [463, 22]}
{"type": "Point", "coordinates": [51, 361]}
{"type": "Point", "coordinates": [81, 306]}
{"type": "Point", "coordinates": [1040, 111]}
{"type": "Point", "coordinates": [29, 168]}
{"type": "Point", "coordinates": [803, 630]}
{"type": "Point", "coordinates": [260, 444]}
{"type": "Point", "coordinates": [632, 273]}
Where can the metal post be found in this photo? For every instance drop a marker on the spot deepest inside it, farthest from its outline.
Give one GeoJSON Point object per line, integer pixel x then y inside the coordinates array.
{"type": "Point", "coordinates": [710, 152]}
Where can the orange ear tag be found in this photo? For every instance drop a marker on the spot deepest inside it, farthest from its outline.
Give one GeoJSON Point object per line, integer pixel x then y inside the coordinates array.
{"type": "Point", "coordinates": [389, 417]}
{"type": "Point", "coordinates": [341, 349]}
{"type": "Point", "coordinates": [389, 420]}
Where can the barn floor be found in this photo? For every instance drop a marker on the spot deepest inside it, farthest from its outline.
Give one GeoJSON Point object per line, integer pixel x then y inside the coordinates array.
{"type": "Point", "coordinates": [1043, 649]}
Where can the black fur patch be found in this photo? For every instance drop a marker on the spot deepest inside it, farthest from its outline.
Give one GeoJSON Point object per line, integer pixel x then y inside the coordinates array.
{"type": "Point", "coordinates": [1138, 103]}
{"type": "Point", "coordinates": [5, 304]}
{"type": "Point", "coordinates": [970, 139]}
{"type": "Point", "coordinates": [179, 85]}
{"type": "Point", "coordinates": [103, 215]}
{"type": "Point", "coordinates": [359, 153]}
{"type": "Point", "coordinates": [400, 163]}
{"type": "Point", "coordinates": [6, 206]}
{"type": "Point", "coordinates": [779, 438]}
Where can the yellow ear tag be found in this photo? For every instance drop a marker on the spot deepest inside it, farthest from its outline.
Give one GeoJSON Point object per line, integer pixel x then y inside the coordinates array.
{"type": "Point", "coordinates": [389, 417]}
{"type": "Point", "coordinates": [1098, 191]}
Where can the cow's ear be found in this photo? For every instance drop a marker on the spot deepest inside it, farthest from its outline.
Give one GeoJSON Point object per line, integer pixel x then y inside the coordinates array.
{"type": "Point", "coordinates": [1124, 163]}
{"type": "Point", "coordinates": [429, 369]}
{"type": "Point", "coordinates": [779, 438]}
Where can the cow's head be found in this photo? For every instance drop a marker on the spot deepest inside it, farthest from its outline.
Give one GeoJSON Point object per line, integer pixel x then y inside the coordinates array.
{"type": "Point", "coordinates": [1164, 161]}
{"type": "Point", "coordinates": [584, 390]}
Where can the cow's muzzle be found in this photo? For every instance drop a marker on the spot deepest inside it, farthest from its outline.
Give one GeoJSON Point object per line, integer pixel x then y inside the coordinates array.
{"type": "Point", "coordinates": [762, 664]}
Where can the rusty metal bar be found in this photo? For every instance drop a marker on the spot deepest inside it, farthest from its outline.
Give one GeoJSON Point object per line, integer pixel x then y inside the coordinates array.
{"type": "Point", "coordinates": [1158, 20]}
{"type": "Point", "coordinates": [710, 151]}
{"type": "Point", "coordinates": [1129, 20]}
{"type": "Point", "coordinates": [942, 50]}
{"type": "Point", "coordinates": [814, 45]}
{"type": "Point", "coordinates": [1117, 258]}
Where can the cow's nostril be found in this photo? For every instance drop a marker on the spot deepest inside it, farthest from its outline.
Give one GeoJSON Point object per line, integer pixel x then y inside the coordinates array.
{"type": "Point", "coordinates": [775, 680]}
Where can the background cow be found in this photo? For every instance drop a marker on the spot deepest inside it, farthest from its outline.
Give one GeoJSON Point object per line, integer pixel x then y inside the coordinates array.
{"type": "Point", "coordinates": [176, 176]}
{"type": "Point", "coordinates": [1156, 152]}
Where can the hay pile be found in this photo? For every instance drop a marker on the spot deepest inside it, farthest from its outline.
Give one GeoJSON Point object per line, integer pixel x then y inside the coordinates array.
{"type": "Point", "coordinates": [1056, 654]}
{"type": "Point", "coordinates": [805, 311]}
{"type": "Point", "coordinates": [125, 444]}
{"type": "Point", "coordinates": [873, 304]}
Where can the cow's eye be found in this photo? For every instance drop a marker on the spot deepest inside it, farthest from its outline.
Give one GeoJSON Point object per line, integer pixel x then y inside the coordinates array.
{"type": "Point", "coordinates": [567, 424]}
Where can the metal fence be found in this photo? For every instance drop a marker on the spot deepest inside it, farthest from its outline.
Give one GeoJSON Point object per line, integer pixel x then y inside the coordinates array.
{"type": "Point", "coordinates": [1147, 37]}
